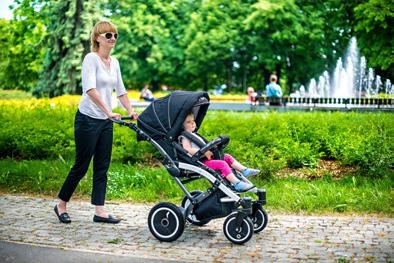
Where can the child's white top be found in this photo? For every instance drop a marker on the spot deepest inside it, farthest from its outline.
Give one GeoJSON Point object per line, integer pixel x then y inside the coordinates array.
{"type": "Point", "coordinates": [181, 137]}
{"type": "Point", "coordinates": [95, 74]}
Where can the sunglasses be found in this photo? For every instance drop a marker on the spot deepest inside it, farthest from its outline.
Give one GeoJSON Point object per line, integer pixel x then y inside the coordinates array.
{"type": "Point", "coordinates": [109, 35]}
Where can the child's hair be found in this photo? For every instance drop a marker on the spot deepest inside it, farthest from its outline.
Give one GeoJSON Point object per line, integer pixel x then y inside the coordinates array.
{"type": "Point", "coordinates": [100, 28]}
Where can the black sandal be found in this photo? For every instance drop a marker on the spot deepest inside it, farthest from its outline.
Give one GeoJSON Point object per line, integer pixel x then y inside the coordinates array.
{"type": "Point", "coordinates": [64, 218]}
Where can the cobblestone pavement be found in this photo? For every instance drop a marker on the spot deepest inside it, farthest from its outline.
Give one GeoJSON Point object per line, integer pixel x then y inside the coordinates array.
{"type": "Point", "coordinates": [287, 238]}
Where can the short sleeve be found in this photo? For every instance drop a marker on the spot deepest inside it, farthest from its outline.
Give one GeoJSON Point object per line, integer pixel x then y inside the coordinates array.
{"type": "Point", "coordinates": [89, 68]}
{"type": "Point", "coordinates": [120, 88]}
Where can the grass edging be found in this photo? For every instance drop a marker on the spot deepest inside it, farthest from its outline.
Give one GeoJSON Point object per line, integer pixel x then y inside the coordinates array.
{"type": "Point", "coordinates": [141, 184]}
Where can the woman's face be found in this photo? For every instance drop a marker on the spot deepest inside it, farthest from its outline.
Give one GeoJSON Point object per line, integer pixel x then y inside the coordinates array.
{"type": "Point", "coordinates": [189, 124]}
{"type": "Point", "coordinates": [107, 40]}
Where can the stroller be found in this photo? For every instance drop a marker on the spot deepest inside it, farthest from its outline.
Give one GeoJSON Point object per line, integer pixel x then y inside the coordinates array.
{"type": "Point", "coordinates": [161, 124]}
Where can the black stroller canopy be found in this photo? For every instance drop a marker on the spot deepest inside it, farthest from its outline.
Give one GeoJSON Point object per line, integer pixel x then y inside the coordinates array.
{"type": "Point", "coordinates": [164, 117]}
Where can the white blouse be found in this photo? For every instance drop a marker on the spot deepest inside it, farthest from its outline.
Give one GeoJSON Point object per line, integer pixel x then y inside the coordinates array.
{"type": "Point", "coordinates": [95, 74]}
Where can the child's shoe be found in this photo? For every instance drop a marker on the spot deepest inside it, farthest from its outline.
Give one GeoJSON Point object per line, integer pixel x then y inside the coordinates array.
{"type": "Point", "coordinates": [249, 172]}
{"type": "Point", "coordinates": [241, 186]}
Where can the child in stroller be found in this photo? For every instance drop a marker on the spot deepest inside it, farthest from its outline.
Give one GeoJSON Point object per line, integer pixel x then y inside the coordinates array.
{"type": "Point", "coordinates": [161, 123]}
{"type": "Point", "coordinates": [191, 142]}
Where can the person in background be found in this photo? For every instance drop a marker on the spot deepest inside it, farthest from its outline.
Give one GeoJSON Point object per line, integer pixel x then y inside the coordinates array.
{"type": "Point", "coordinates": [274, 92]}
{"type": "Point", "coordinates": [93, 127]}
{"type": "Point", "coordinates": [146, 94]}
{"type": "Point", "coordinates": [251, 95]}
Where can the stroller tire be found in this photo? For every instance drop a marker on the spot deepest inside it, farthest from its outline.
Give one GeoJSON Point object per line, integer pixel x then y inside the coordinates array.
{"type": "Point", "coordinates": [238, 235]}
{"type": "Point", "coordinates": [192, 218]}
{"type": "Point", "coordinates": [166, 222]}
{"type": "Point", "coordinates": [259, 220]}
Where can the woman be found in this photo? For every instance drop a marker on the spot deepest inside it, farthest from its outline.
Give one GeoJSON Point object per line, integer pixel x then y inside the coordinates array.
{"type": "Point", "coordinates": [93, 129]}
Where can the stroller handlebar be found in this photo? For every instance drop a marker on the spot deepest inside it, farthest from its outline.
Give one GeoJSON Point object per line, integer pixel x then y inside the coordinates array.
{"type": "Point", "coordinates": [121, 122]}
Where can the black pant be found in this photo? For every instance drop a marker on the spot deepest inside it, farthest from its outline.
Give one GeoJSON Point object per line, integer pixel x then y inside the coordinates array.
{"type": "Point", "coordinates": [93, 137]}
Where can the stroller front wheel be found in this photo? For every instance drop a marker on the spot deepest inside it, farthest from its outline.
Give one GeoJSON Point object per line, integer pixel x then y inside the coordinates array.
{"type": "Point", "coordinates": [238, 234]}
{"type": "Point", "coordinates": [260, 220]}
{"type": "Point", "coordinates": [166, 222]}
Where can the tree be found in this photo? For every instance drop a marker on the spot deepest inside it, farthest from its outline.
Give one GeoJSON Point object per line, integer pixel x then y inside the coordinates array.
{"type": "Point", "coordinates": [374, 31]}
{"type": "Point", "coordinates": [22, 52]}
{"type": "Point", "coordinates": [149, 49]}
{"type": "Point", "coordinates": [215, 49]}
{"type": "Point", "coordinates": [67, 41]}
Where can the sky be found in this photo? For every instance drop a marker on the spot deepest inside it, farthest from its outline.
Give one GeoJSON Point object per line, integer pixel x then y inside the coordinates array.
{"type": "Point", "coordinates": [4, 11]}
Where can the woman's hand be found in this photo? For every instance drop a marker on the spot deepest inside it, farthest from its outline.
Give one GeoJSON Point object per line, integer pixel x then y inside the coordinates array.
{"type": "Point", "coordinates": [113, 115]}
{"type": "Point", "coordinates": [133, 115]}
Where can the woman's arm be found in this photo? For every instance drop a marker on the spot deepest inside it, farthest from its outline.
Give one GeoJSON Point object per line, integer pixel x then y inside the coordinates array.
{"type": "Point", "coordinates": [95, 97]}
{"type": "Point", "coordinates": [124, 99]}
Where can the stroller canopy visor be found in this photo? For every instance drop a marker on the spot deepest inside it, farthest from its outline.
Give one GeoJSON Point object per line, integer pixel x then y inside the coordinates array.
{"type": "Point", "coordinates": [164, 117]}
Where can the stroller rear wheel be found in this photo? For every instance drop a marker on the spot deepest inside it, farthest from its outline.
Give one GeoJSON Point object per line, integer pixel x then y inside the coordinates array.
{"type": "Point", "coordinates": [260, 220]}
{"type": "Point", "coordinates": [191, 217]}
{"type": "Point", "coordinates": [166, 222]}
{"type": "Point", "coordinates": [238, 234]}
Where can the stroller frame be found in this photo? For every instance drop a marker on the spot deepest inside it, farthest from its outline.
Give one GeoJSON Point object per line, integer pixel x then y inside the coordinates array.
{"type": "Point", "coordinates": [166, 221]}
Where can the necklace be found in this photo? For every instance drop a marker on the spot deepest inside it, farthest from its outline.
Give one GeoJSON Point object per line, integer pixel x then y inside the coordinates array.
{"type": "Point", "coordinates": [107, 62]}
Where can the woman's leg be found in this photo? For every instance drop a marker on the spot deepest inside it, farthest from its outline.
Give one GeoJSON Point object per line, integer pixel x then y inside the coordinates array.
{"type": "Point", "coordinates": [85, 141]}
{"type": "Point", "coordinates": [101, 163]}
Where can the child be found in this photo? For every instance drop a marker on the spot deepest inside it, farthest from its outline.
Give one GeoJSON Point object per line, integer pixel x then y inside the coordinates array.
{"type": "Point", "coordinates": [223, 165]}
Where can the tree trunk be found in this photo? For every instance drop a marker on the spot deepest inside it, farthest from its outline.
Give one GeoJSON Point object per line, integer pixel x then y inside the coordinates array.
{"type": "Point", "coordinates": [267, 75]}
{"type": "Point", "coordinates": [278, 72]}
{"type": "Point", "coordinates": [155, 85]}
{"type": "Point", "coordinates": [229, 81]}
{"type": "Point", "coordinates": [206, 82]}
{"type": "Point", "coordinates": [244, 79]}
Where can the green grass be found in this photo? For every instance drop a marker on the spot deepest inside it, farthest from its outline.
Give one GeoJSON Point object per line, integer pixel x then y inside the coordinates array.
{"type": "Point", "coordinates": [138, 183]}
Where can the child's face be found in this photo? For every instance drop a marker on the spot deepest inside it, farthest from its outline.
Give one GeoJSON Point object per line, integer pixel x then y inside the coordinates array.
{"type": "Point", "coordinates": [189, 123]}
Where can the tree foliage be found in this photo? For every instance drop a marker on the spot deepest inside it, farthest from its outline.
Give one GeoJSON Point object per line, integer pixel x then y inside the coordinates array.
{"type": "Point", "coordinates": [193, 44]}
{"type": "Point", "coordinates": [68, 41]}
{"type": "Point", "coordinates": [22, 50]}
{"type": "Point", "coordinates": [374, 31]}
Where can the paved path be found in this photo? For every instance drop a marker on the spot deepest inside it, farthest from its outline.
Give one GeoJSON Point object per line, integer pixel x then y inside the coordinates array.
{"type": "Point", "coordinates": [287, 238]}
{"type": "Point", "coordinates": [11, 252]}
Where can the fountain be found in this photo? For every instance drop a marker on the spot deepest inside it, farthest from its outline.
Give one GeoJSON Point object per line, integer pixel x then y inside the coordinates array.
{"type": "Point", "coordinates": [349, 80]}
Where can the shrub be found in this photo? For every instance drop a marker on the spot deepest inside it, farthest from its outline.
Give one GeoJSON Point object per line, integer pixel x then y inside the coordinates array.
{"type": "Point", "coordinates": [43, 129]}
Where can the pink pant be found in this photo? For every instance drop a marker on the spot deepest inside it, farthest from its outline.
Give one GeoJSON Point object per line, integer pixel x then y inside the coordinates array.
{"type": "Point", "coordinates": [222, 165]}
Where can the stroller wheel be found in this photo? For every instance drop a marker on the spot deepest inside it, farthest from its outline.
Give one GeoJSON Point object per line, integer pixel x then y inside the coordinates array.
{"type": "Point", "coordinates": [238, 234]}
{"type": "Point", "coordinates": [259, 220]}
{"type": "Point", "coordinates": [166, 222]}
{"type": "Point", "coordinates": [192, 218]}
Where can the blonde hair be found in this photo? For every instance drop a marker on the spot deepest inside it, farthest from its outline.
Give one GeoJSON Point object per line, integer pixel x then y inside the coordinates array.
{"type": "Point", "coordinates": [100, 28]}
{"type": "Point", "coordinates": [273, 77]}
